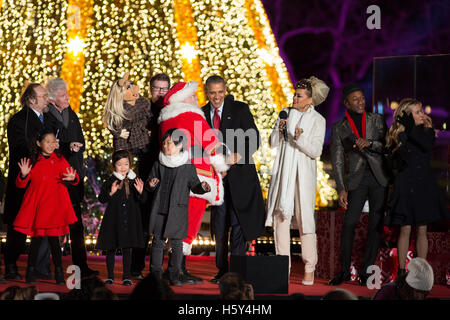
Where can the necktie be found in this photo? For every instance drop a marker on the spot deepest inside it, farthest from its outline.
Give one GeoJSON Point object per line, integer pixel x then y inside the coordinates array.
{"type": "Point", "coordinates": [216, 119]}
{"type": "Point", "coordinates": [41, 117]}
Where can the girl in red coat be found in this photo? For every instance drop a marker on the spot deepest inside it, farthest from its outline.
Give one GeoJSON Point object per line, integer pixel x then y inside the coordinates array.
{"type": "Point", "coordinates": [46, 210]}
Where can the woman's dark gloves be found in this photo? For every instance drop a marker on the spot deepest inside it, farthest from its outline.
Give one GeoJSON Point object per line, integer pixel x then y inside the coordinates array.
{"type": "Point", "coordinates": [407, 121]}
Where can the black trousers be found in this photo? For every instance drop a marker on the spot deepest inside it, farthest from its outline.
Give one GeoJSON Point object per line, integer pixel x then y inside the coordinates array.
{"type": "Point", "coordinates": [138, 254]}
{"type": "Point", "coordinates": [43, 258]}
{"type": "Point", "coordinates": [15, 245]}
{"type": "Point", "coordinates": [223, 218]}
{"type": "Point", "coordinates": [376, 193]}
{"type": "Point", "coordinates": [126, 261]}
{"type": "Point", "coordinates": [78, 247]}
{"type": "Point", "coordinates": [145, 163]}
{"type": "Point", "coordinates": [54, 246]}
{"type": "Point", "coordinates": [158, 244]}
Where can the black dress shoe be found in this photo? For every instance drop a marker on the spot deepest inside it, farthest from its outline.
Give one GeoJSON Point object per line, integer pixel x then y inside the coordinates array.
{"type": "Point", "coordinates": [136, 276]}
{"type": "Point", "coordinates": [11, 272]}
{"type": "Point", "coordinates": [190, 279]}
{"type": "Point", "coordinates": [400, 273]}
{"type": "Point", "coordinates": [59, 275]}
{"type": "Point", "coordinates": [362, 279]}
{"type": "Point", "coordinates": [159, 275]}
{"type": "Point", "coordinates": [339, 278]}
{"type": "Point", "coordinates": [216, 278]}
{"type": "Point", "coordinates": [29, 277]}
{"type": "Point", "coordinates": [44, 276]}
{"type": "Point", "coordinates": [88, 272]}
{"type": "Point", "coordinates": [127, 282]}
{"type": "Point", "coordinates": [176, 279]}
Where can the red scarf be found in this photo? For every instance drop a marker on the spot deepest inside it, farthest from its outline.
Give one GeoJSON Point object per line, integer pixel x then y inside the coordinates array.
{"type": "Point", "coordinates": [352, 124]}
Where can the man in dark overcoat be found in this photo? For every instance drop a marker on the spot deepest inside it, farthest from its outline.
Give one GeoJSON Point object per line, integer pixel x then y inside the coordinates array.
{"type": "Point", "coordinates": [66, 125]}
{"type": "Point", "coordinates": [243, 208]}
{"type": "Point", "coordinates": [22, 131]}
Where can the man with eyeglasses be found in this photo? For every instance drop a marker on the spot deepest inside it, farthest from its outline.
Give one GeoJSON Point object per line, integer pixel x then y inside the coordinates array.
{"type": "Point", "coordinates": [159, 86]}
{"type": "Point", "coordinates": [22, 131]}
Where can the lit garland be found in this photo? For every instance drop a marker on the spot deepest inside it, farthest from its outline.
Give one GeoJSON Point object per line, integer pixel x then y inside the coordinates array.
{"type": "Point", "coordinates": [32, 46]}
{"type": "Point", "coordinates": [129, 36]}
{"type": "Point", "coordinates": [79, 21]}
{"type": "Point", "coordinates": [227, 46]}
{"type": "Point", "coordinates": [187, 41]}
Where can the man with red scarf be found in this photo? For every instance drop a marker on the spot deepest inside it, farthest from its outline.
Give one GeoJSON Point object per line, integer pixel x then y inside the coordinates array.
{"type": "Point", "coordinates": [181, 111]}
{"type": "Point", "coordinates": [359, 136]}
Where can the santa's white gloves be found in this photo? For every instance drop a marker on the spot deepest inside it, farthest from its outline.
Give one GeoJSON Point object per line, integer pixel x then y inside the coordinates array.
{"type": "Point", "coordinates": [187, 249]}
{"type": "Point", "coordinates": [124, 134]}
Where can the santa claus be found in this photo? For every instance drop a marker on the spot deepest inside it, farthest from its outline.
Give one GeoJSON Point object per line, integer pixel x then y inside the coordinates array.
{"type": "Point", "coordinates": [181, 111]}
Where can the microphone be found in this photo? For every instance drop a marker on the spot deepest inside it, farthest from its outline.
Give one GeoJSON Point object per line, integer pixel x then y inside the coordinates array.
{"type": "Point", "coordinates": [283, 116]}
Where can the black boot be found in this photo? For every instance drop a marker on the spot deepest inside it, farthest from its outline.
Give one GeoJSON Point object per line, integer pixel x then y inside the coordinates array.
{"type": "Point", "coordinates": [87, 272]}
{"type": "Point", "coordinates": [176, 279]}
{"type": "Point", "coordinates": [159, 274]}
{"type": "Point", "coordinates": [59, 275]}
{"type": "Point", "coordinates": [400, 273]}
{"type": "Point", "coordinates": [30, 278]}
{"type": "Point", "coordinates": [339, 278]}
{"type": "Point", "coordinates": [11, 272]}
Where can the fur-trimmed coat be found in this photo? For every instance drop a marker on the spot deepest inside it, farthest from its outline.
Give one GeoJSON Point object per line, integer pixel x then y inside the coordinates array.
{"type": "Point", "coordinates": [202, 144]}
{"type": "Point", "coordinates": [185, 180]}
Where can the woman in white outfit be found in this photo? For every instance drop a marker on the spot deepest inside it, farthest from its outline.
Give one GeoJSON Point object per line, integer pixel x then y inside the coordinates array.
{"type": "Point", "coordinates": [292, 190]}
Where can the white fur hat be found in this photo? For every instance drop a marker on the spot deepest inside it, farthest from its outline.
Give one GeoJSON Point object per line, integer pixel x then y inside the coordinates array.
{"type": "Point", "coordinates": [420, 275]}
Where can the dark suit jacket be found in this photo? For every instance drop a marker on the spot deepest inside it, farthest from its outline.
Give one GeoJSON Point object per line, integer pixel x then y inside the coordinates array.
{"type": "Point", "coordinates": [22, 131]}
{"type": "Point", "coordinates": [2, 185]}
{"type": "Point", "coordinates": [242, 180]}
{"type": "Point", "coordinates": [342, 147]}
{"type": "Point", "coordinates": [186, 179]}
{"type": "Point", "coordinates": [73, 133]}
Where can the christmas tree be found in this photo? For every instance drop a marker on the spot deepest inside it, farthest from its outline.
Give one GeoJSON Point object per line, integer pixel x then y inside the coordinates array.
{"type": "Point", "coordinates": [92, 43]}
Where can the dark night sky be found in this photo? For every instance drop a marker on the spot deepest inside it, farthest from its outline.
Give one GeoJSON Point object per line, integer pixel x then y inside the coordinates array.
{"type": "Point", "coordinates": [330, 39]}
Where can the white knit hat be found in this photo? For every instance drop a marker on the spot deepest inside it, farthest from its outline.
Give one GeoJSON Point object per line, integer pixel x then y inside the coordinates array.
{"type": "Point", "coordinates": [420, 275]}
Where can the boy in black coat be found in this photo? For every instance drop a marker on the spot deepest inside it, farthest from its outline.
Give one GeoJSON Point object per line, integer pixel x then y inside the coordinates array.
{"type": "Point", "coordinates": [172, 178]}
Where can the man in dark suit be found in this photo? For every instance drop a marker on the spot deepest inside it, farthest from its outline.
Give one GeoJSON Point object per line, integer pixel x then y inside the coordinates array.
{"type": "Point", "coordinates": [360, 138]}
{"type": "Point", "coordinates": [243, 208]}
{"type": "Point", "coordinates": [22, 131]}
{"type": "Point", "coordinates": [66, 125]}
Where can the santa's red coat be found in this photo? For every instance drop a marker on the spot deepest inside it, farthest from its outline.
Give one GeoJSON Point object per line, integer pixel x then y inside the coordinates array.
{"type": "Point", "coordinates": [46, 209]}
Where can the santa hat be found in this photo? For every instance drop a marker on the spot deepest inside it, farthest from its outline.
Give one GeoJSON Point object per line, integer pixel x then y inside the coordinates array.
{"type": "Point", "coordinates": [180, 91]}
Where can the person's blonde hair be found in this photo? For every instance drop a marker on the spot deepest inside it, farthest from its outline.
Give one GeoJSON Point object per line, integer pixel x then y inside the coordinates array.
{"type": "Point", "coordinates": [114, 113]}
{"type": "Point", "coordinates": [405, 106]}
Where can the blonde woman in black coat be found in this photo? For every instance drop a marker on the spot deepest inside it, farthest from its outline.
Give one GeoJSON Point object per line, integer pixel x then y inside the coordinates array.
{"type": "Point", "coordinates": [416, 199]}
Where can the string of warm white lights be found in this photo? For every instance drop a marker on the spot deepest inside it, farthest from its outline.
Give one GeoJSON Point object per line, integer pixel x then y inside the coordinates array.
{"type": "Point", "coordinates": [32, 47]}
{"type": "Point", "coordinates": [92, 43]}
{"type": "Point", "coordinates": [130, 36]}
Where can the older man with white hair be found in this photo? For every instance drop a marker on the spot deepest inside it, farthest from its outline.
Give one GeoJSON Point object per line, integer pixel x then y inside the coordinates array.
{"type": "Point", "coordinates": [66, 125]}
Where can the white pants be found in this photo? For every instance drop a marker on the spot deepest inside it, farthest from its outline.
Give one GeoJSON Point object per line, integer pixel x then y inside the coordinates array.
{"type": "Point", "coordinates": [282, 237]}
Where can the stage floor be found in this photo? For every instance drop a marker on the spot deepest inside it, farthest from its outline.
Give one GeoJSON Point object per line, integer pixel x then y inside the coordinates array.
{"type": "Point", "coordinates": [204, 267]}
